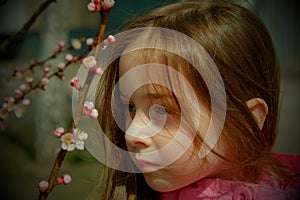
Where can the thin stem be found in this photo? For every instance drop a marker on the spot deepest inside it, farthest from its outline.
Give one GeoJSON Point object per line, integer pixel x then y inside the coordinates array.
{"type": "Point", "coordinates": [83, 92]}
{"type": "Point", "coordinates": [82, 96]}
{"type": "Point", "coordinates": [54, 173]}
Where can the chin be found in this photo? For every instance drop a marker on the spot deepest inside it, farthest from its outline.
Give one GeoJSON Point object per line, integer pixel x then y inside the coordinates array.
{"type": "Point", "coordinates": [162, 185]}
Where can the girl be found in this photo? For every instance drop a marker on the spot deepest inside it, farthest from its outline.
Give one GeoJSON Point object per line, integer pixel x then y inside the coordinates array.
{"type": "Point", "coordinates": [166, 100]}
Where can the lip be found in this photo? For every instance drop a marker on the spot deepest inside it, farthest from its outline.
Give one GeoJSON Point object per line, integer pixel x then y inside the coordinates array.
{"type": "Point", "coordinates": [146, 166]}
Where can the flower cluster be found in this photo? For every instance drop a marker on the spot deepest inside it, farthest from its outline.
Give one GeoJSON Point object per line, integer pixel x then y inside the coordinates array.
{"type": "Point", "coordinates": [98, 5]}
{"type": "Point", "coordinates": [109, 40]}
{"type": "Point", "coordinates": [71, 140]}
{"type": "Point", "coordinates": [89, 110]}
{"type": "Point", "coordinates": [89, 63]}
{"type": "Point", "coordinates": [64, 179]}
{"type": "Point", "coordinates": [16, 104]}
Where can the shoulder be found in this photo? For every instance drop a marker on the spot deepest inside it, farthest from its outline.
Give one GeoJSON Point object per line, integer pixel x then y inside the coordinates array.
{"type": "Point", "coordinates": [224, 189]}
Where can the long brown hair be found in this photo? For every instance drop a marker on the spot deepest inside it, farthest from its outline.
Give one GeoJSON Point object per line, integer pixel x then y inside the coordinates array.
{"type": "Point", "coordinates": [240, 45]}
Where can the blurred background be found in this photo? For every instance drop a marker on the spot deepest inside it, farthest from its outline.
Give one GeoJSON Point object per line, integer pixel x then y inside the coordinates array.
{"type": "Point", "coordinates": [28, 147]}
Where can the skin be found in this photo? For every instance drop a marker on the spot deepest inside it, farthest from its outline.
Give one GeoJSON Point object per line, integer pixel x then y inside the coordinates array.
{"type": "Point", "coordinates": [151, 125]}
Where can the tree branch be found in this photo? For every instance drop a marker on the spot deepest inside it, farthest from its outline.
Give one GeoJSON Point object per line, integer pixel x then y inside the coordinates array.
{"type": "Point", "coordinates": [22, 32]}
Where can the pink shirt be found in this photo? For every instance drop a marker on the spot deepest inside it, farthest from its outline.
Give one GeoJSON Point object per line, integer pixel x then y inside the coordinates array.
{"type": "Point", "coordinates": [225, 190]}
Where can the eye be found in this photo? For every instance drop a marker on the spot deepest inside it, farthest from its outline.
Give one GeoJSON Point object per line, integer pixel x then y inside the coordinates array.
{"type": "Point", "coordinates": [131, 108]}
{"type": "Point", "coordinates": [161, 110]}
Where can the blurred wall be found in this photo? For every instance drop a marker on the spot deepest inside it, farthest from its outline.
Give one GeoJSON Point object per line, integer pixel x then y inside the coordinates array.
{"type": "Point", "coordinates": [67, 19]}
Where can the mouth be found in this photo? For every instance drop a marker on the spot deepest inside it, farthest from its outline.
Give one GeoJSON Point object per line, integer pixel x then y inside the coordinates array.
{"type": "Point", "coordinates": [146, 166]}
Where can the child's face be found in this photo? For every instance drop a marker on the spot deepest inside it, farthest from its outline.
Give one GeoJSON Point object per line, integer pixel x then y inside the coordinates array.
{"type": "Point", "coordinates": [168, 163]}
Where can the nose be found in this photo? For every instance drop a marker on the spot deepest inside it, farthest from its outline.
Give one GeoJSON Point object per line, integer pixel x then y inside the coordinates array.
{"type": "Point", "coordinates": [138, 133]}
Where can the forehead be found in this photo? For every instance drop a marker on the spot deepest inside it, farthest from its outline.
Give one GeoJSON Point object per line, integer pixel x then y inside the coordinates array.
{"type": "Point", "coordinates": [140, 57]}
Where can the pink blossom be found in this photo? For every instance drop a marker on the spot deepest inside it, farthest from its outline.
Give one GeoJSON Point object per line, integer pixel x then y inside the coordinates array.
{"type": "Point", "coordinates": [10, 104]}
{"type": "Point", "coordinates": [99, 71]}
{"type": "Point", "coordinates": [69, 57]}
{"type": "Point", "coordinates": [61, 65]}
{"type": "Point", "coordinates": [108, 4]}
{"type": "Point", "coordinates": [94, 114]}
{"type": "Point", "coordinates": [18, 93]}
{"type": "Point", "coordinates": [3, 112]}
{"type": "Point", "coordinates": [45, 81]}
{"type": "Point", "coordinates": [61, 44]}
{"type": "Point", "coordinates": [23, 88]}
{"type": "Point", "coordinates": [26, 102]}
{"type": "Point", "coordinates": [109, 40]}
{"type": "Point", "coordinates": [76, 44]}
{"type": "Point", "coordinates": [59, 132]}
{"type": "Point", "coordinates": [28, 76]}
{"type": "Point", "coordinates": [29, 80]}
{"type": "Point", "coordinates": [46, 71]}
{"type": "Point", "coordinates": [19, 75]}
{"type": "Point", "coordinates": [89, 110]}
{"type": "Point", "coordinates": [75, 83]}
{"type": "Point", "coordinates": [79, 145]}
{"type": "Point", "coordinates": [43, 186]}
{"type": "Point", "coordinates": [64, 179]}
{"type": "Point", "coordinates": [19, 111]}
{"type": "Point", "coordinates": [89, 105]}
{"type": "Point", "coordinates": [92, 7]}
{"type": "Point", "coordinates": [90, 41]}
{"type": "Point", "coordinates": [10, 100]}
{"type": "Point", "coordinates": [90, 63]}
{"type": "Point", "coordinates": [68, 142]}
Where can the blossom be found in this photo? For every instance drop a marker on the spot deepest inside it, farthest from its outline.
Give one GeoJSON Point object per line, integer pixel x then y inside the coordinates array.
{"type": "Point", "coordinates": [79, 145]}
{"type": "Point", "coordinates": [73, 140]}
{"type": "Point", "coordinates": [64, 179]}
{"type": "Point", "coordinates": [26, 102]}
{"type": "Point", "coordinates": [81, 135]}
{"type": "Point", "coordinates": [19, 75]}
{"type": "Point", "coordinates": [109, 40]}
{"type": "Point", "coordinates": [45, 81]}
{"type": "Point", "coordinates": [99, 71]}
{"type": "Point", "coordinates": [28, 76]}
{"type": "Point", "coordinates": [59, 131]}
{"type": "Point", "coordinates": [10, 104]}
{"type": "Point", "coordinates": [46, 70]}
{"type": "Point", "coordinates": [89, 110]}
{"type": "Point", "coordinates": [90, 41]}
{"type": "Point", "coordinates": [18, 93]}
{"type": "Point", "coordinates": [90, 63]}
{"type": "Point", "coordinates": [94, 114]}
{"type": "Point", "coordinates": [19, 110]}
{"type": "Point", "coordinates": [93, 7]}
{"type": "Point", "coordinates": [23, 88]}
{"type": "Point", "coordinates": [43, 186]}
{"type": "Point", "coordinates": [3, 112]}
{"type": "Point", "coordinates": [61, 65]}
{"type": "Point", "coordinates": [88, 105]}
{"type": "Point", "coordinates": [76, 44]}
{"type": "Point", "coordinates": [68, 142]}
{"type": "Point", "coordinates": [75, 83]}
{"type": "Point", "coordinates": [61, 44]}
{"type": "Point", "coordinates": [69, 57]}
{"type": "Point", "coordinates": [108, 4]}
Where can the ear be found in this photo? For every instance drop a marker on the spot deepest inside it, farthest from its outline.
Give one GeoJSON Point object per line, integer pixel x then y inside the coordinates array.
{"type": "Point", "coordinates": [259, 110]}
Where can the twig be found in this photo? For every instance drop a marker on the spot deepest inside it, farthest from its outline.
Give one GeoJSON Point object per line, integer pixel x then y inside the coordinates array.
{"type": "Point", "coordinates": [22, 32]}
{"type": "Point", "coordinates": [83, 92]}
{"type": "Point", "coordinates": [54, 173]}
{"type": "Point", "coordinates": [82, 96]}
